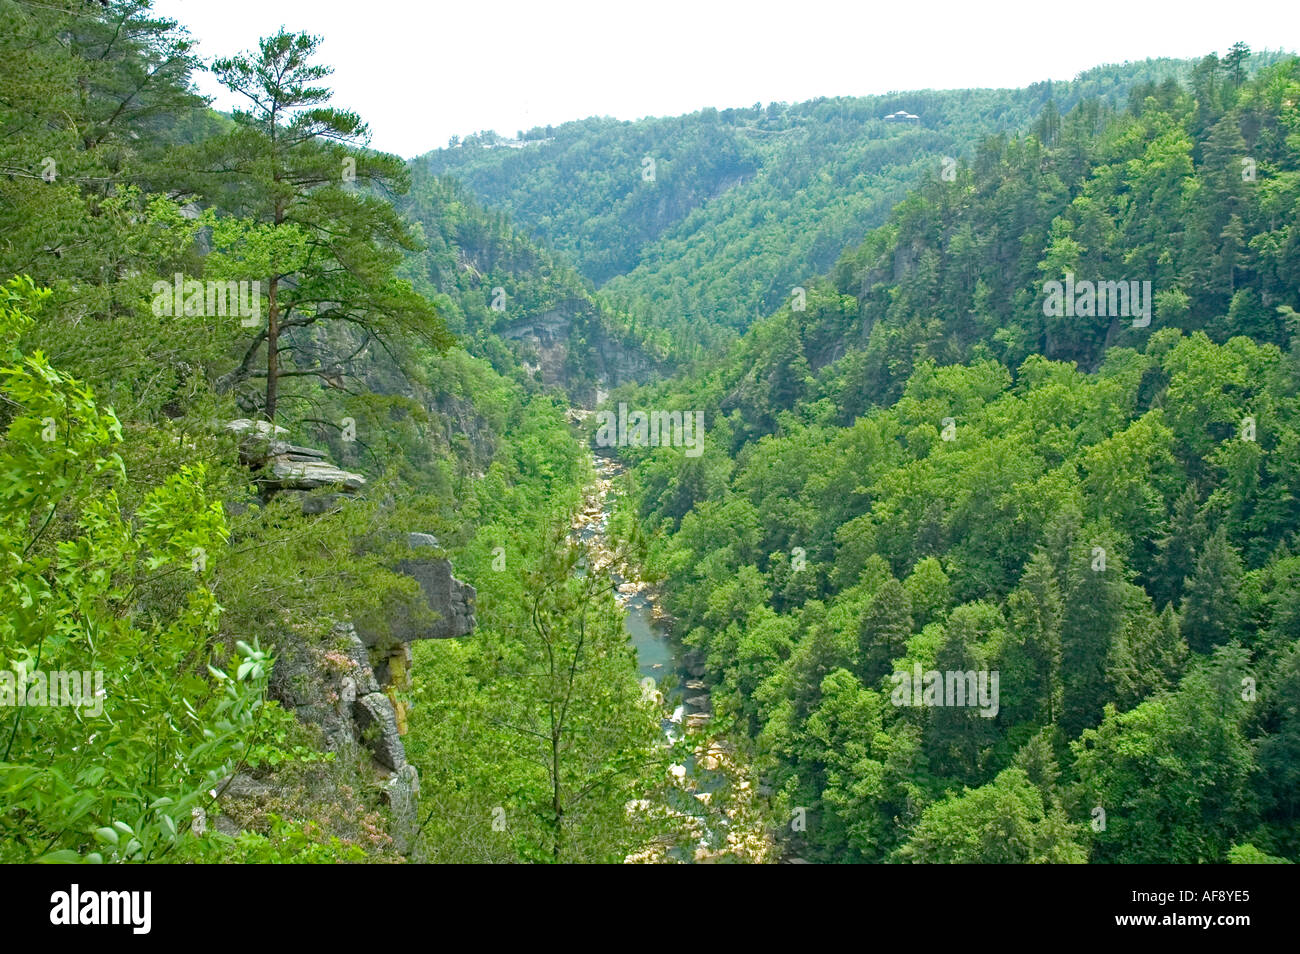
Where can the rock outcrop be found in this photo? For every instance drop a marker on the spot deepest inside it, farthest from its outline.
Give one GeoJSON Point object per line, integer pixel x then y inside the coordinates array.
{"type": "Point", "coordinates": [351, 687]}
{"type": "Point", "coordinates": [324, 685]}
{"type": "Point", "coordinates": [573, 347]}
{"type": "Point", "coordinates": [375, 716]}
{"type": "Point", "coordinates": [278, 465]}
{"type": "Point", "coordinates": [450, 601]}
{"type": "Point", "coordinates": [335, 687]}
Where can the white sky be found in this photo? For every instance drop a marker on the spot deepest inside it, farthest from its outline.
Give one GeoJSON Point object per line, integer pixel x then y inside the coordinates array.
{"type": "Point", "coordinates": [420, 71]}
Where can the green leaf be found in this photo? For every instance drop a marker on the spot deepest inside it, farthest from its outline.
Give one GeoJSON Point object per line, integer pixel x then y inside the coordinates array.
{"type": "Point", "coordinates": [64, 856]}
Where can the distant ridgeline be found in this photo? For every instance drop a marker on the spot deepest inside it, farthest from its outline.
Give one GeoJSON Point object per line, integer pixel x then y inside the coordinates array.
{"type": "Point", "coordinates": [696, 225]}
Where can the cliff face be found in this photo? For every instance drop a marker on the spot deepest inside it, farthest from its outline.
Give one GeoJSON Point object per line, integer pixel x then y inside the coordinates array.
{"type": "Point", "coordinates": [335, 687]}
{"type": "Point", "coordinates": [573, 349]}
{"type": "Point", "coordinates": [349, 686]}
{"type": "Point", "coordinates": [350, 689]}
{"type": "Point", "coordinates": [449, 602]}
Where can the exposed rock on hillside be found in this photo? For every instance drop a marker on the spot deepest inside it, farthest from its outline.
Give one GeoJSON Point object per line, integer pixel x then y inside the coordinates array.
{"type": "Point", "coordinates": [450, 601]}
{"type": "Point", "coordinates": [351, 687]}
{"type": "Point", "coordinates": [325, 685]}
{"type": "Point", "coordinates": [350, 690]}
{"type": "Point", "coordinates": [278, 465]}
{"type": "Point", "coordinates": [546, 344]}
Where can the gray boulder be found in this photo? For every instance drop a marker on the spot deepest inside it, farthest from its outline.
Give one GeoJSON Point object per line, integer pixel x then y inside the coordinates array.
{"type": "Point", "coordinates": [377, 721]}
{"type": "Point", "coordinates": [449, 602]}
{"type": "Point", "coordinates": [279, 465]}
{"type": "Point", "coordinates": [402, 793]}
{"type": "Point", "coordinates": [364, 675]}
{"type": "Point", "coordinates": [302, 474]}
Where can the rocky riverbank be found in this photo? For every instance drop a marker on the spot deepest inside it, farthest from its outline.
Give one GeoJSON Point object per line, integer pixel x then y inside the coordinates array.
{"type": "Point", "coordinates": [717, 807]}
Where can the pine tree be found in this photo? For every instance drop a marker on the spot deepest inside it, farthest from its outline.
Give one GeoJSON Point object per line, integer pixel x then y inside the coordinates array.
{"type": "Point", "coordinates": [1217, 233]}
{"type": "Point", "coordinates": [295, 167]}
{"type": "Point", "coordinates": [1094, 615]}
{"type": "Point", "coordinates": [886, 626]}
{"type": "Point", "coordinates": [819, 653]}
{"type": "Point", "coordinates": [1149, 654]}
{"type": "Point", "coordinates": [957, 737]}
{"type": "Point", "coordinates": [1235, 62]}
{"type": "Point", "coordinates": [1176, 549]}
{"type": "Point", "coordinates": [1210, 612]}
{"type": "Point", "coordinates": [1279, 753]}
{"type": "Point", "coordinates": [1036, 613]}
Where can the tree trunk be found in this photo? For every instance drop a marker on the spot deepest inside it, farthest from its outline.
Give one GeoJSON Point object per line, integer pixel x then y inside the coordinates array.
{"type": "Point", "coordinates": [557, 807]}
{"type": "Point", "coordinates": [272, 351]}
{"type": "Point", "coordinates": [273, 313]}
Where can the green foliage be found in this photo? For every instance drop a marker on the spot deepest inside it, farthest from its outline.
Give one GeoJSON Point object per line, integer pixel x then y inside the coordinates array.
{"type": "Point", "coordinates": [1173, 774]}
{"type": "Point", "coordinates": [286, 842]}
{"type": "Point", "coordinates": [1004, 822]}
{"type": "Point", "coordinates": [909, 463]}
{"type": "Point", "coordinates": [489, 279]}
{"type": "Point", "coordinates": [293, 165]}
{"type": "Point", "coordinates": [533, 737]}
{"type": "Point", "coordinates": [107, 768]}
{"type": "Point", "coordinates": [1248, 854]}
{"type": "Point", "coordinates": [746, 204]}
{"type": "Point", "coordinates": [1104, 515]}
{"type": "Point", "coordinates": [153, 580]}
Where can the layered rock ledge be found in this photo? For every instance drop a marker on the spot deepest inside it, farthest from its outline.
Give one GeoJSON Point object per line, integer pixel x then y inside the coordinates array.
{"type": "Point", "coordinates": [278, 465]}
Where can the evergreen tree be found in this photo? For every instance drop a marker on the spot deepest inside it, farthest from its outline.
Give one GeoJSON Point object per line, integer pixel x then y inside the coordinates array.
{"type": "Point", "coordinates": [1279, 751]}
{"type": "Point", "coordinates": [882, 636]}
{"type": "Point", "coordinates": [1176, 549]}
{"type": "Point", "coordinates": [1149, 654]}
{"type": "Point", "coordinates": [1095, 600]}
{"type": "Point", "coordinates": [1209, 611]}
{"type": "Point", "coordinates": [295, 168]}
{"type": "Point", "coordinates": [1036, 611]}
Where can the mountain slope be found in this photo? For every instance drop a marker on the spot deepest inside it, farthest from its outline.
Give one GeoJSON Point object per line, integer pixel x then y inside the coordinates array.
{"type": "Point", "coordinates": [514, 302]}
{"type": "Point", "coordinates": [927, 471]}
{"type": "Point", "coordinates": [744, 204]}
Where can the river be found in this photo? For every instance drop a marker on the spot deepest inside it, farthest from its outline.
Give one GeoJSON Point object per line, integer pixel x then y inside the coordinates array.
{"type": "Point", "coordinates": [716, 789]}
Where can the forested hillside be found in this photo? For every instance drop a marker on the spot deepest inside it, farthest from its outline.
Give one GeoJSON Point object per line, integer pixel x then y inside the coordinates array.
{"type": "Point", "coordinates": [956, 519]}
{"type": "Point", "coordinates": [514, 302]}
{"type": "Point", "coordinates": [930, 468]}
{"type": "Point", "coordinates": [699, 224]}
{"type": "Point", "coordinates": [209, 582]}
